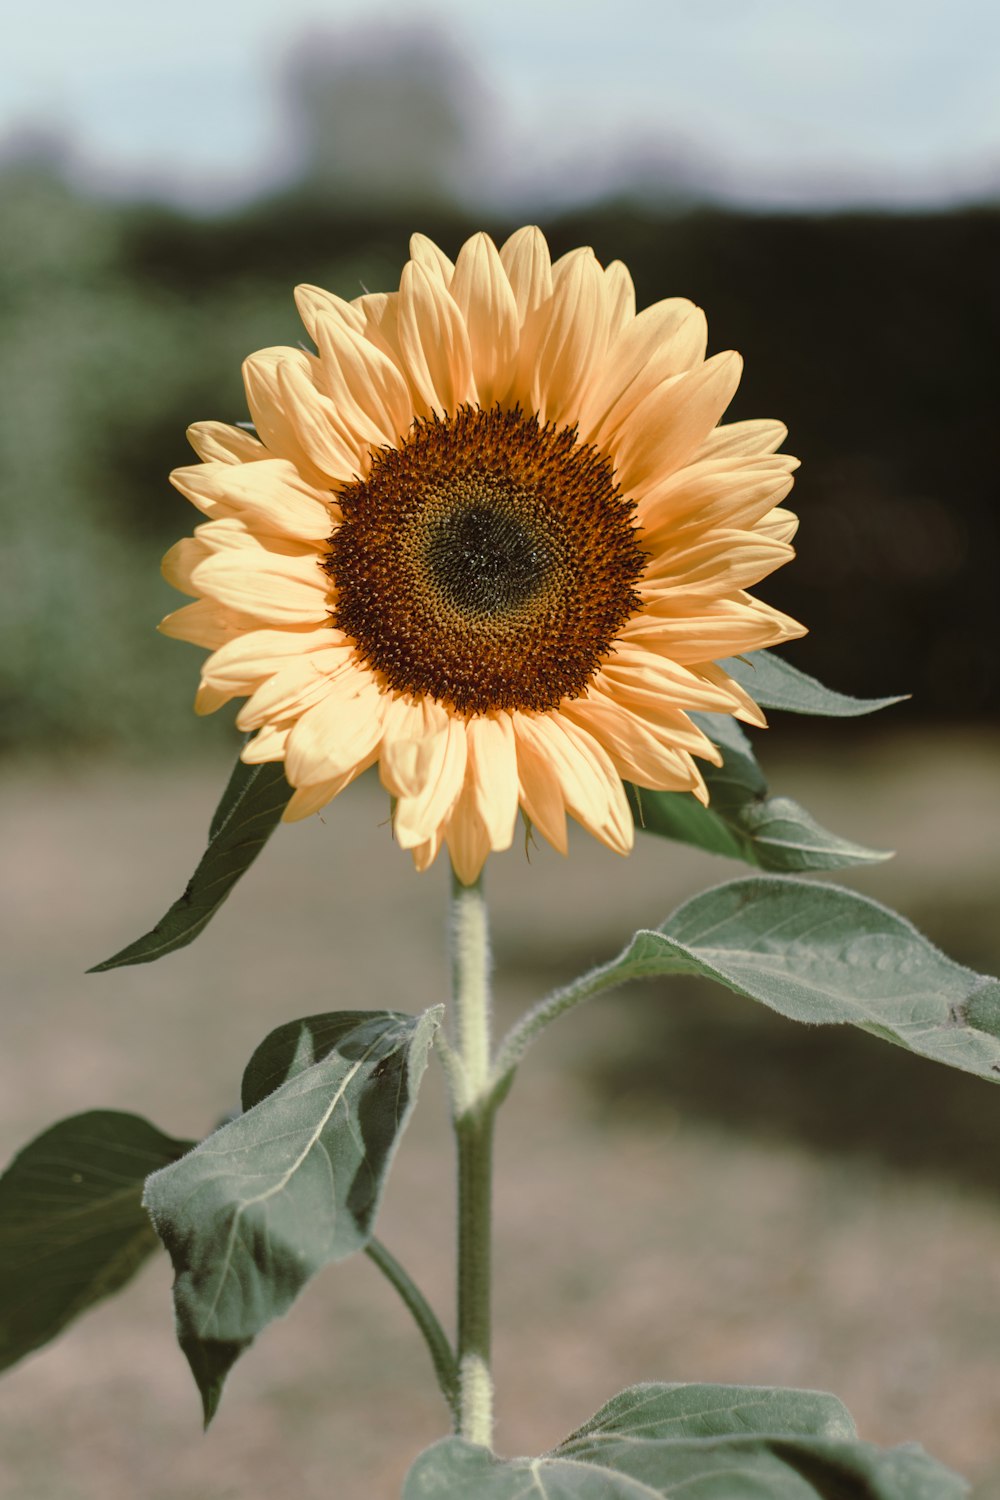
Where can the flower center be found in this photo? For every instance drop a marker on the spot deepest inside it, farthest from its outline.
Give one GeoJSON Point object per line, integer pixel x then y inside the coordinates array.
{"type": "Point", "coordinates": [488, 562]}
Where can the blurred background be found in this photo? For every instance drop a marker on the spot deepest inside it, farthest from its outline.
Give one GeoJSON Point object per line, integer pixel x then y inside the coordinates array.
{"type": "Point", "coordinates": [825, 180]}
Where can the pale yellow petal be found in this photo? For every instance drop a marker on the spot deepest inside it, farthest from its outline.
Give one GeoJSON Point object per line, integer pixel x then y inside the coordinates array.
{"type": "Point", "coordinates": [433, 341]}
{"type": "Point", "coordinates": [728, 493]}
{"type": "Point", "coordinates": [306, 800]}
{"type": "Point", "coordinates": [711, 628]}
{"type": "Point", "coordinates": [268, 744]}
{"type": "Point", "coordinates": [744, 439]}
{"type": "Point", "coordinates": [369, 393]}
{"type": "Point", "coordinates": [296, 686]}
{"type": "Point", "coordinates": [492, 775]}
{"type": "Point", "coordinates": [380, 311]}
{"type": "Point", "coordinates": [638, 676]}
{"type": "Point", "coordinates": [468, 839]}
{"type": "Point", "coordinates": [667, 427]}
{"type": "Point", "coordinates": [746, 708]}
{"type": "Point", "coordinates": [569, 341]}
{"type": "Point", "coordinates": [205, 623]}
{"type": "Point", "coordinates": [256, 654]}
{"type": "Point", "coordinates": [269, 407]}
{"type": "Point", "coordinates": [592, 788]}
{"type": "Point", "coordinates": [334, 736]}
{"type": "Point", "coordinates": [207, 699]}
{"type": "Point", "coordinates": [270, 496]}
{"type": "Point", "coordinates": [621, 296]}
{"type": "Point", "coordinates": [482, 291]}
{"type": "Point", "coordinates": [432, 258]}
{"type": "Point", "coordinates": [219, 443]}
{"type": "Point", "coordinates": [779, 524]}
{"type": "Point", "coordinates": [525, 258]}
{"type": "Point", "coordinates": [417, 818]}
{"type": "Point", "coordinates": [180, 561]}
{"type": "Point", "coordinates": [314, 304]}
{"type": "Point", "coordinates": [262, 582]}
{"type": "Point", "coordinates": [637, 753]}
{"type": "Point", "coordinates": [666, 339]}
{"type": "Point", "coordinates": [719, 562]}
{"type": "Point", "coordinates": [540, 789]}
{"type": "Point", "coordinates": [335, 452]}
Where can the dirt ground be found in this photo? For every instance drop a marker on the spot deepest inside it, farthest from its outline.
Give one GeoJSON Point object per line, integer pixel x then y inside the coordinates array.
{"type": "Point", "coordinates": [688, 1188]}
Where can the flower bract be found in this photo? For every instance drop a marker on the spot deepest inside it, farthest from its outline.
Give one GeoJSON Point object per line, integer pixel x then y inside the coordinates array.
{"type": "Point", "coordinates": [491, 536]}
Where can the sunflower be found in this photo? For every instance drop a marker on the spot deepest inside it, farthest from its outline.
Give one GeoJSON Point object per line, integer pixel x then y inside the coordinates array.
{"type": "Point", "coordinates": [490, 536]}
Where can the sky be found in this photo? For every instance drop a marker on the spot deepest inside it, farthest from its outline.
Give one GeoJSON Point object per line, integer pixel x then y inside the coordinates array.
{"type": "Point", "coordinates": [779, 103]}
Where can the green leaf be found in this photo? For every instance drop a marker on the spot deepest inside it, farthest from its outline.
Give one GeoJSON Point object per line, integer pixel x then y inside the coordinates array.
{"type": "Point", "coordinates": [72, 1226]}
{"type": "Point", "coordinates": [741, 820]}
{"type": "Point", "coordinates": [707, 1442]}
{"type": "Point", "coordinates": [772, 683]}
{"type": "Point", "coordinates": [817, 953]}
{"type": "Point", "coordinates": [244, 820]}
{"type": "Point", "coordinates": [260, 1206]}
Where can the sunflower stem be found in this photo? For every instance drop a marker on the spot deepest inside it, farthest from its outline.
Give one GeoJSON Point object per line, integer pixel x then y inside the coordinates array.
{"type": "Point", "coordinates": [472, 1112]}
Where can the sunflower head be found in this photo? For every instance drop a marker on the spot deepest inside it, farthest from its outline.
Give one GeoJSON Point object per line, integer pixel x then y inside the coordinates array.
{"type": "Point", "coordinates": [491, 536]}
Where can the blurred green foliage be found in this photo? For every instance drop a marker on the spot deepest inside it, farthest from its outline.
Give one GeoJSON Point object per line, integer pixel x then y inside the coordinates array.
{"type": "Point", "coordinates": [121, 323]}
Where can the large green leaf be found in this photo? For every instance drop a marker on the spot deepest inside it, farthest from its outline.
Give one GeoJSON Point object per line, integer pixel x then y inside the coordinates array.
{"type": "Point", "coordinates": [772, 683]}
{"type": "Point", "coordinates": [260, 1206]}
{"type": "Point", "coordinates": [705, 1442]}
{"type": "Point", "coordinates": [817, 953]}
{"type": "Point", "coordinates": [72, 1226]}
{"type": "Point", "coordinates": [250, 810]}
{"type": "Point", "coordinates": [741, 820]}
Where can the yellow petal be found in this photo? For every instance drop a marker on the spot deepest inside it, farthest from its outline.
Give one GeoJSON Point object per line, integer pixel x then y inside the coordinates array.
{"type": "Point", "coordinates": [268, 407]}
{"type": "Point", "coordinates": [592, 789]}
{"type": "Point", "coordinates": [270, 496]}
{"type": "Point", "coordinates": [219, 443]}
{"type": "Point", "coordinates": [433, 341]}
{"type": "Point", "coordinates": [664, 340]}
{"type": "Point", "coordinates": [369, 393]}
{"type": "Point", "coordinates": [539, 787]}
{"type": "Point", "coordinates": [333, 450]}
{"type": "Point", "coordinates": [432, 258]}
{"type": "Point", "coordinates": [336, 735]}
{"type": "Point", "coordinates": [569, 339]}
{"type": "Point", "coordinates": [727, 492]}
{"type": "Point", "coordinates": [744, 439]}
{"type": "Point", "coordinates": [621, 296]}
{"type": "Point", "coordinates": [482, 291]}
{"type": "Point", "coordinates": [779, 524]}
{"type": "Point", "coordinates": [180, 561]}
{"type": "Point", "coordinates": [493, 776]}
{"type": "Point", "coordinates": [417, 818]}
{"type": "Point", "coordinates": [669, 424]}
{"type": "Point", "coordinates": [716, 563]}
{"type": "Point", "coordinates": [262, 582]}
{"type": "Point", "coordinates": [468, 839]}
{"type": "Point", "coordinates": [314, 305]}
{"type": "Point", "coordinates": [525, 258]}
{"type": "Point", "coordinates": [204, 623]}
{"type": "Point", "coordinates": [294, 687]}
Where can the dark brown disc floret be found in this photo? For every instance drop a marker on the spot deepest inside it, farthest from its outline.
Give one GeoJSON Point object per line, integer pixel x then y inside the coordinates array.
{"type": "Point", "coordinates": [488, 562]}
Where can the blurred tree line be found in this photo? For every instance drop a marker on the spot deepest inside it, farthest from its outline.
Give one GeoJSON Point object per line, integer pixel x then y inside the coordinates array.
{"type": "Point", "coordinates": [120, 323]}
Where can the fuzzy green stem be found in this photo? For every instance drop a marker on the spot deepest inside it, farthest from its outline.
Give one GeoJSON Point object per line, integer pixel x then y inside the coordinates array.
{"type": "Point", "coordinates": [473, 1114]}
{"type": "Point", "coordinates": [440, 1350]}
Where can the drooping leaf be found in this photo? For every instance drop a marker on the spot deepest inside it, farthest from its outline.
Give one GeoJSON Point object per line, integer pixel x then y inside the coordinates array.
{"type": "Point", "coordinates": [741, 821]}
{"type": "Point", "coordinates": [820, 954]}
{"type": "Point", "coordinates": [250, 810]}
{"type": "Point", "coordinates": [72, 1226]}
{"type": "Point", "coordinates": [772, 683]}
{"type": "Point", "coordinates": [705, 1442]}
{"type": "Point", "coordinates": [259, 1207]}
